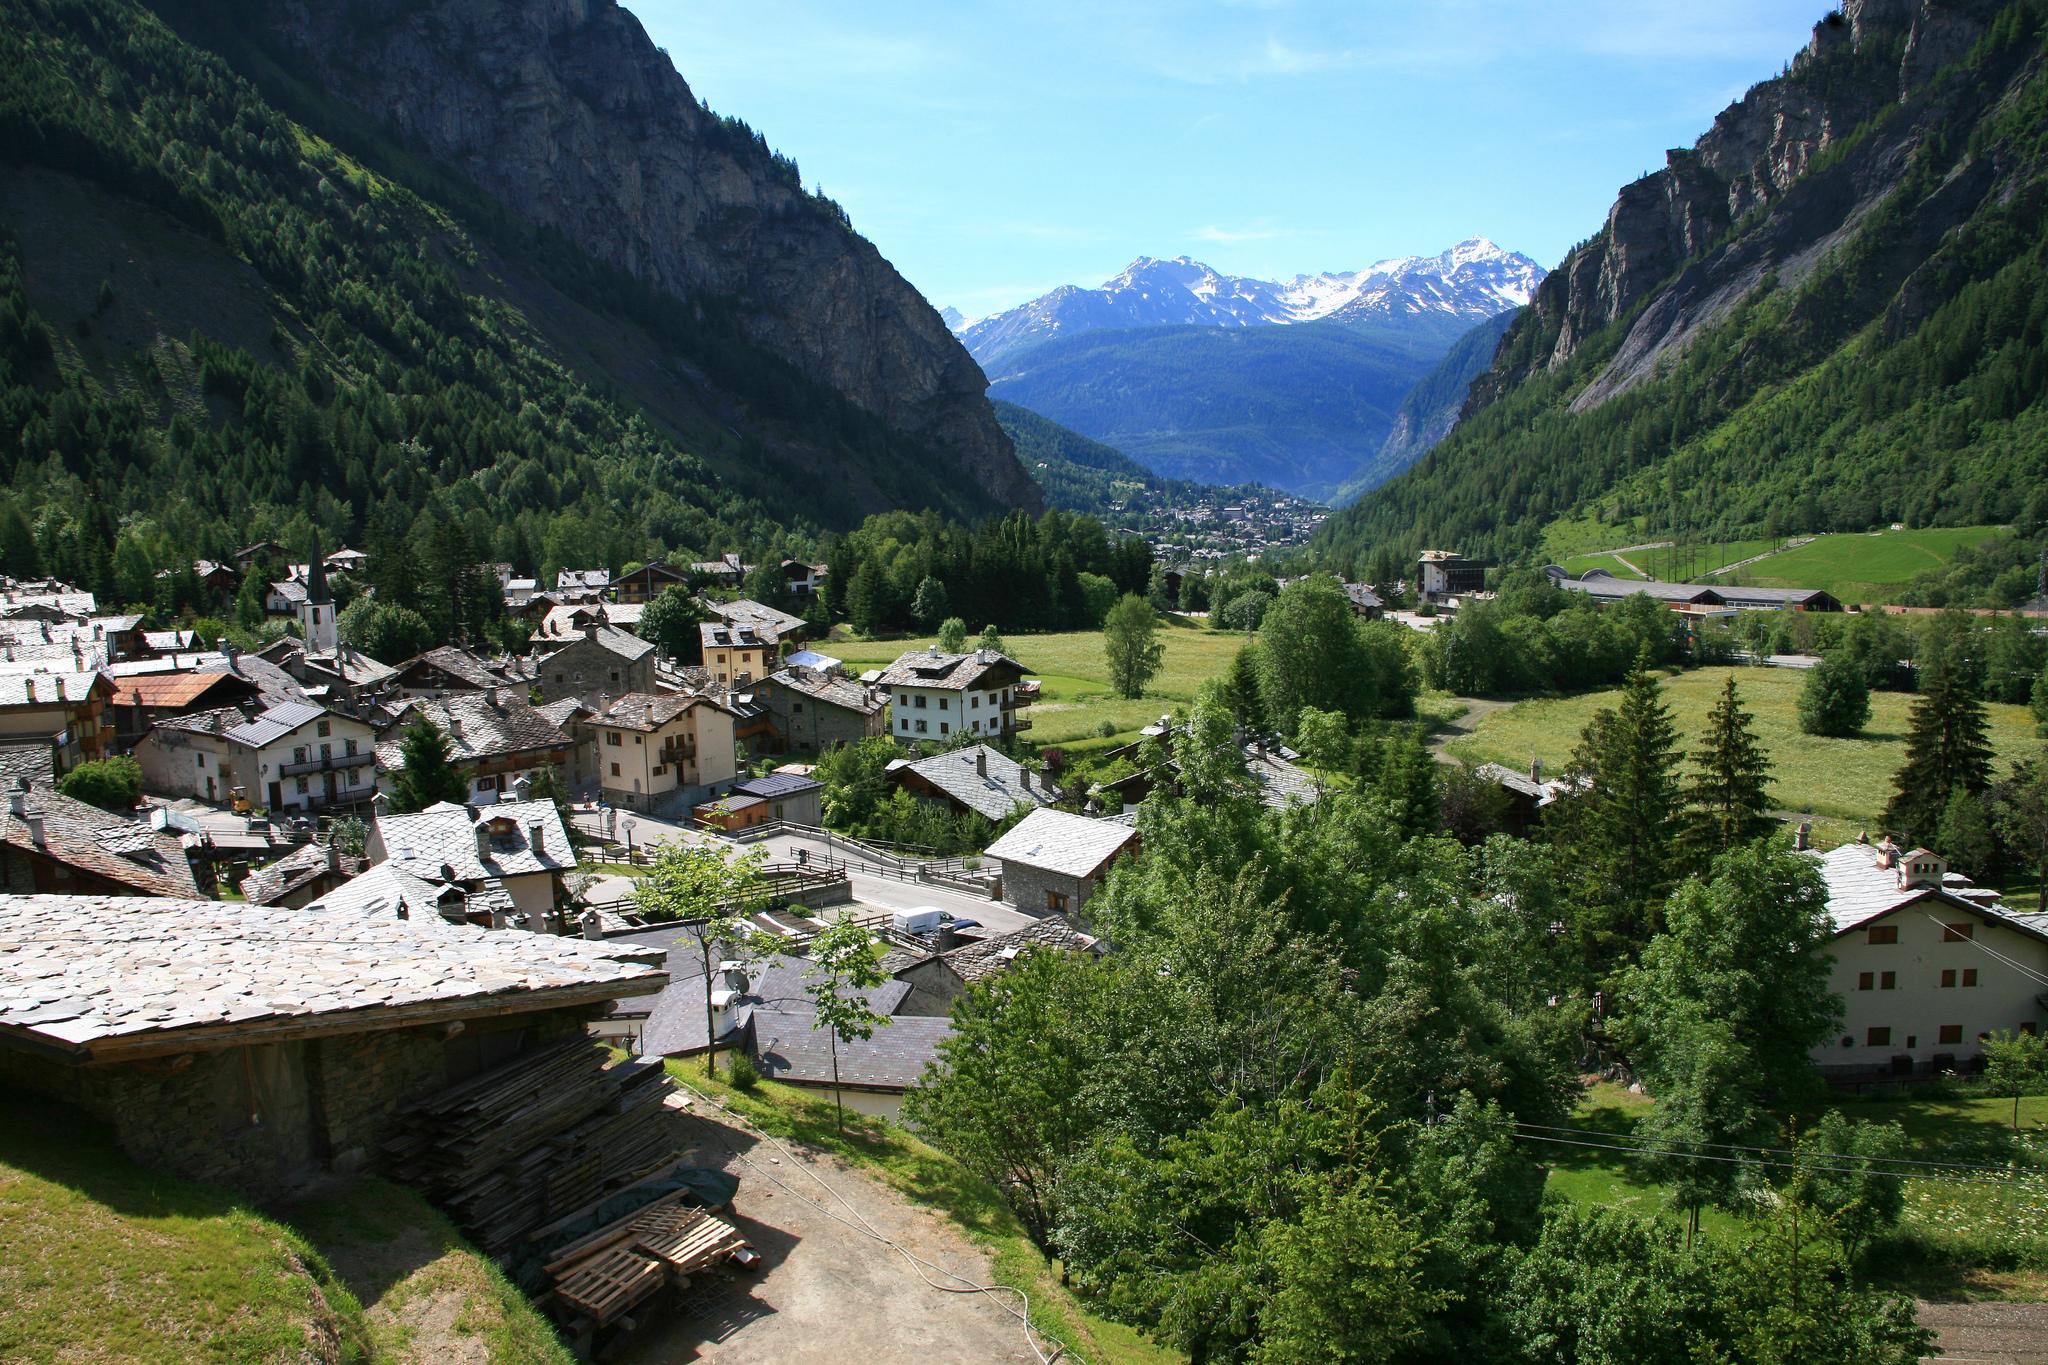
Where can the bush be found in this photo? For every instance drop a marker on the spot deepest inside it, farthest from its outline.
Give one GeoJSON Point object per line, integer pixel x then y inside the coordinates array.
{"type": "Point", "coordinates": [1105, 730]}
{"type": "Point", "coordinates": [740, 1071]}
{"type": "Point", "coordinates": [113, 784]}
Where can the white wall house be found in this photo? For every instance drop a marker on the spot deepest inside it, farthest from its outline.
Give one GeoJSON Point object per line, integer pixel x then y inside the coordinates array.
{"type": "Point", "coordinates": [1925, 964]}
{"type": "Point", "coordinates": [289, 757]}
{"type": "Point", "coordinates": [934, 696]}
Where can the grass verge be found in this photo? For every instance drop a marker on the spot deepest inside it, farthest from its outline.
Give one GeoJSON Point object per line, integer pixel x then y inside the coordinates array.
{"type": "Point", "coordinates": [926, 1176]}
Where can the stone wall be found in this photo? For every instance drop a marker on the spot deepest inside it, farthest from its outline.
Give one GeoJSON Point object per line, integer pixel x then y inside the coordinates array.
{"type": "Point", "coordinates": [1025, 888]}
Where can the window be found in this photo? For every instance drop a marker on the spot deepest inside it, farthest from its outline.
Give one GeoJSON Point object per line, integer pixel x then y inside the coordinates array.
{"type": "Point", "coordinates": [615, 770]}
{"type": "Point", "coordinates": [201, 758]}
{"type": "Point", "coordinates": [1877, 1037]}
{"type": "Point", "coordinates": [1951, 1033]}
{"type": "Point", "coordinates": [324, 729]}
{"type": "Point", "coordinates": [611, 737]}
{"type": "Point", "coordinates": [920, 701]}
{"type": "Point", "coordinates": [944, 703]}
{"type": "Point", "coordinates": [1969, 976]}
{"type": "Point", "coordinates": [639, 739]}
{"type": "Point", "coordinates": [661, 770]}
{"type": "Point", "coordinates": [299, 754]}
{"type": "Point", "coordinates": [974, 702]}
{"type": "Point", "coordinates": [944, 728]}
{"type": "Point", "coordinates": [302, 786]}
{"type": "Point", "coordinates": [920, 727]}
{"type": "Point", "coordinates": [1884, 933]}
{"type": "Point", "coordinates": [1865, 980]}
{"type": "Point", "coordinates": [1887, 981]}
{"type": "Point", "coordinates": [796, 708]}
{"type": "Point", "coordinates": [1056, 900]}
{"type": "Point", "coordinates": [327, 751]}
{"type": "Point", "coordinates": [1958, 933]}
{"type": "Point", "coordinates": [348, 748]}
{"type": "Point", "coordinates": [1948, 977]}
{"type": "Point", "coordinates": [561, 677]}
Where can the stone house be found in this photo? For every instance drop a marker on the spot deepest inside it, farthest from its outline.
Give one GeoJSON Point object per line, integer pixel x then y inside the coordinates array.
{"type": "Point", "coordinates": [289, 757]}
{"type": "Point", "coordinates": [496, 739]}
{"type": "Point", "coordinates": [940, 979]}
{"type": "Point", "coordinates": [445, 670]}
{"type": "Point", "coordinates": [1053, 861]}
{"type": "Point", "coordinates": [817, 711]}
{"type": "Point", "coordinates": [51, 843]}
{"type": "Point", "coordinates": [518, 848]}
{"type": "Point", "coordinates": [985, 781]}
{"type": "Point", "coordinates": [65, 709]}
{"type": "Point", "coordinates": [260, 1048]}
{"type": "Point", "coordinates": [602, 663]}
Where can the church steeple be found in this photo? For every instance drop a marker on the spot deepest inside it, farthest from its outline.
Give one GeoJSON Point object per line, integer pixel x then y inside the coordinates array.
{"type": "Point", "coordinates": [316, 618]}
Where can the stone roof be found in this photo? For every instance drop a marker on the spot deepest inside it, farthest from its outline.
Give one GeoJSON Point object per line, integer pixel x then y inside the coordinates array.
{"type": "Point", "coordinates": [112, 977]}
{"type": "Point", "coordinates": [114, 847]}
{"type": "Point", "coordinates": [949, 672]}
{"type": "Point", "coordinates": [478, 728]}
{"type": "Point", "coordinates": [47, 689]}
{"type": "Point", "coordinates": [443, 840]}
{"type": "Point", "coordinates": [568, 619]}
{"type": "Point", "coordinates": [994, 789]}
{"type": "Point", "coordinates": [457, 663]}
{"type": "Point", "coordinates": [829, 690]}
{"type": "Point", "coordinates": [1060, 842]}
{"type": "Point", "coordinates": [1861, 888]}
{"type": "Point", "coordinates": [1280, 783]}
{"type": "Point", "coordinates": [1500, 775]}
{"type": "Point", "coordinates": [625, 644]}
{"type": "Point", "coordinates": [647, 711]}
{"type": "Point", "coordinates": [291, 590]}
{"type": "Point", "coordinates": [31, 759]}
{"type": "Point", "coordinates": [583, 580]}
{"type": "Point", "coordinates": [790, 1047]}
{"type": "Point", "coordinates": [739, 635]}
{"type": "Point", "coordinates": [763, 618]}
{"type": "Point", "coordinates": [386, 892]}
{"type": "Point", "coordinates": [305, 864]}
{"type": "Point", "coordinates": [347, 665]}
{"type": "Point", "coordinates": [986, 957]}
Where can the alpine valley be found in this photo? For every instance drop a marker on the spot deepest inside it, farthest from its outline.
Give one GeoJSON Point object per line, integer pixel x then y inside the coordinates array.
{"type": "Point", "coordinates": [1298, 384]}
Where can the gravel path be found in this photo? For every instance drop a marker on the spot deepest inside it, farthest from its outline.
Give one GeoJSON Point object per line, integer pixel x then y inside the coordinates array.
{"type": "Point", "coordinates": [1989, 1333]}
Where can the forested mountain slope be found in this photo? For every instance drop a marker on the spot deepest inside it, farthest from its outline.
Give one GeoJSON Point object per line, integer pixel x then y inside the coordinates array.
{"type": "Point", "coordinates": [234, 306]}
{"type": "Point", "coordinates": [1831, 311]}
{"type": "Point", "coordinates": [1431, 408]}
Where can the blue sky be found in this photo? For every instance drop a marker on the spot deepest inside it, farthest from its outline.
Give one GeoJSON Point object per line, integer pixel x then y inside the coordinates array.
{"type": "Point", "coordinates": [993, 150]}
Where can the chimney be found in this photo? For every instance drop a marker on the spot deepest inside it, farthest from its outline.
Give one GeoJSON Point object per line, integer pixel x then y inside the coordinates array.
{"type": "Point", "coordinates": [590, 630]}
{"type": "Point", "coordinates": [34, 820]}
{"type": "Point", "coordinates": [522, 788]}
{"type": "Point", "coordinates": [1802, 837]}
{"type": "Point", "coordinates": [1535, 770]}
{"type": "Point", "coordinates": [981, 761]}
{"type": "Point", "coordinates": [501, 918]}
{"type": "Point", "coordinates": [1024, 778]}
{"type": "Point", "coordinates": [536, 836]}
{"type": "Point", "coordinates": [483, 841]}
{"type": "Point", "coordinates": [593, 924]}
{"type": "Point", "coordinates": [491, 696]}
{"type": "Point", "coordinates": [17, 800]}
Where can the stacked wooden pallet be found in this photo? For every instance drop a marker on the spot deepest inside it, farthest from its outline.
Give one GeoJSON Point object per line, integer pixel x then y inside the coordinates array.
{"type": "Point", "coordinates": [550, 1131]}
{"type": "Point", "coordinates": [601, 1278]}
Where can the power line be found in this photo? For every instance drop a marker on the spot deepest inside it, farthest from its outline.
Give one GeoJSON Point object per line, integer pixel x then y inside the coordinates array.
{"type": "Point", "coordinates": [1771, 1151]}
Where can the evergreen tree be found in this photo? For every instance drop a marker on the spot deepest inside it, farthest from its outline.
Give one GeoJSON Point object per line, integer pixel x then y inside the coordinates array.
{"type": "Point", "coordinates": [1241, 690]}
{"type": "Point", "coordinates": [670, 624]}
{"type": "Point", "coordinates": [2023, 816]}
{"type": "Point", "coordinates": [1835, 700]}
{"type": "Point", "coordinates": [1946, 748]}
{"type": "Point", "coordinates": [1964, 836]}
{"type": "Point", "coordinates": [1728, 793]}
{"type": "Point", "coordinates": [865, 599]}
{"type": "Point", "coordinates": [429, 775]}
{"type": "Point", "coordinates": [1407, 782]}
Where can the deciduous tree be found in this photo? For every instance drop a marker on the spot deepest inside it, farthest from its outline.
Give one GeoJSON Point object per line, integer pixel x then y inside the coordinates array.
{"type": "Point", "coordinates": [713, 893]}
{"type": "Point", "coordinates": [1130, 641]}
{"type": "Point", "coordinates": [846, 964]}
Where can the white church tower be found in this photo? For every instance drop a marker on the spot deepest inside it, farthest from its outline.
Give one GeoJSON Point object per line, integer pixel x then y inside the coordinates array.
{"type": "Point", "coordinates": [316, 618]}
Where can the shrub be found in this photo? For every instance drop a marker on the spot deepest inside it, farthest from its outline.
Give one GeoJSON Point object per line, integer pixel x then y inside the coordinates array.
{"type": "Point", "coordinates": [1836, 699]}
{"type": "Point", "coordinates": [113, 784]}
{"type": "Point", "coordinates": [1105, 729]}
{"type": "Point", "coordinates": [740, 1071]}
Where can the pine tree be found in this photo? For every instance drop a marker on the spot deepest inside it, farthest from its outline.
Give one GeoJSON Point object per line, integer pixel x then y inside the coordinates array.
{"type": "Point", "coordinates": [1407, 782]}
{"type": "Point", "coordinates": [1728, 794]}
{"type": "Point", "coordinates": [429, 775]}
{"type": "Point", "coordinates": [1964, 836]}
{"type": "Point", "coordinates": [1946, 748]}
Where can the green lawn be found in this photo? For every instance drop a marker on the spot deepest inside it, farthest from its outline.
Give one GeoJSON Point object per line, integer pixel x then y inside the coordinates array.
{"type": "Point", "coordinates": [1845, 781]}
{"type": "Point", "coordinates": [1581, 565]}
{"type": "Point", "coordinates": [1076, 696]}
{"type": "Point", "coordinates": [103, 1259]}
{"type": "Point", "coordinates": [1867, 568]}
{"type": "Point", "coordinates": [928, 1177]}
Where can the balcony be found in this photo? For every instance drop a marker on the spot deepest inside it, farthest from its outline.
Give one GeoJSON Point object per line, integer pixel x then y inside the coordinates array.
{"type": "Point", "coordinates": [334, 762]}
{"type": "Point", "coordinates": [677, 753]}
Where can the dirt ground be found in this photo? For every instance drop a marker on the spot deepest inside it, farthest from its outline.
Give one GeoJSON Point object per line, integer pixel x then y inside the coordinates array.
{"type": "Point", "coordinates": [1989, 1333]}
{"type": "Point", "coordinates": [827, 1292]}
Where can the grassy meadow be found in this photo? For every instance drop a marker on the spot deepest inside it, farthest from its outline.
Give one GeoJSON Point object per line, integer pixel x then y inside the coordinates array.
{"type": "Point", "coordinates": [1846, 782]}
{"type": "Point", "coordinates": [1076, 697]}
{"type": "Point", "coordinates": [1862, 567]}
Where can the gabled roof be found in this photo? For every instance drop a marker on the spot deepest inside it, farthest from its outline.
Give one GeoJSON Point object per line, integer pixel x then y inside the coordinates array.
{"type": "Point", "coordinates": [477, 727]}
{"type": "Point", "coordinates": [994, 788]}
{"type": "Point", "coordinates": [117, 977]}
{"type": "Point", "coordinates": [442, 841]}
{"type": "Point", "coordinates": [1060, 842]}
{"type": "Point", "coordinates": [627, 646]}
{"type": "Point", "coordinates": [273, 723]}
{"type": "Point", "coordinates": [829, 690]}
{"type": "Point", "coordinates": [719, 635]}
{"type": "Point", "coordinates": [778, 785]}
{"type": "Point", "coordinates": [457, 663]}
{"type": "Point", "coordinates": [303, 865]}
{"type": "Point", "coordinates": [46, 689]}
{"type": "Point", "coordinates": [790, 1047]}
{"type": "Point", "coordinates": [647, 711]}
{"type": "Point", "coordinates": [986, 957]}
{"type": "Point", "coordinates": [291, 590]}
{"type": "Point", "coordinates": [176, 689]}
{"type": "Point", "coordinates": [981, 668]}
{"type": "Point", "coordinates": [759, 615]}
{"type": "Point", "coordinates": [1860, 890]}
{"type": "Point", "coordinates": [113, 847]}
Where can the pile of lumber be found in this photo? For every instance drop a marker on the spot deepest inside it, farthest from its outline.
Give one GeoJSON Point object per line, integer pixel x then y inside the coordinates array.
{"type": "Point", "coordinates": [599, 1279]}
{"type": "Point", "coordinates": [524, 1143]}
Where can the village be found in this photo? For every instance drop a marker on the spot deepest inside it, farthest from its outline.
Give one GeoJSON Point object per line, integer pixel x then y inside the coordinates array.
{"type": "Point", "coordinates": [286, 961]}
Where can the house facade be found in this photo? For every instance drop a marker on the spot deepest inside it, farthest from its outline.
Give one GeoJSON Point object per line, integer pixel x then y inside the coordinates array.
{"type": "Point", "coordinates": [733, 652]}
{"type": "Point", "coordinates": [65, 710]}
{"type": "Point", "coordinates": [1053, 861]}
{"type": "Point", "coordinates": [819, 711]}
{"type": "Point", "coordinates": [496, 739]}
{"type": "Point", "coordinates": [661, 750]}
{"type": "Point", "coordinates": [602, 663]}
{"type": "Point", "coordinates": [288, 757]}
{"type": "Point", "coordinates": [934, 696]}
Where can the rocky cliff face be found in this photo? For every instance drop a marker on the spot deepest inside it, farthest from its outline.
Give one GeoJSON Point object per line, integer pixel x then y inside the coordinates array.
{"type": "Point", "coordinates": [567, 114]}
{"type": "Point", "coordinates": [1677, 242]}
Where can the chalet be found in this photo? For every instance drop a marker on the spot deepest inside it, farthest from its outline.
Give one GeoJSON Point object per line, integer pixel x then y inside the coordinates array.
{"type": "Point", "coordinates": [142, 701]}
{"type": "Point", "coordinates": [221, 581]}
{"type": "Point", "coordinates": [817, 711]}
{"type": "Point", "coordinates": [803, 580]}
{"type": "Point", "coordinates": [567, 620]}
{"type": "Point", "coordinates": [496, 739]}
{"type": "Point", "coordinates": [601, 663]}
{"type": "Point", "coordinates": [51, 843]}
{"type": "Point", "coordinates": [979, 779]}
{"type": "Point", "coordinates": [1925, 963]}
{"type": "Point", "coordinates": [1366, 604]}
{"type": "Point", "coordinates": [345, 560]}
{"type": "Point", "coordinates": [761, 618]}
{"type": "Point", "coordinates": [1053, 861]}
{"type": "Point", "coordinates": [933, 696]}
{"type": "Point", "coordinates": [646, 583]}
{"type": "Point", "coordinates": [440, 672]}
{"type": "Point", "coordinates": [262, 549]}
{"type": "Point", "coordinates": [67, 710]}
{"type": "Point", "coordinates": [1527, 795]}
{"type": "Point", "coordinates": [288, 757]}
{"type": "Point", "coordinates": [726, 570]}
{"type": "Point", "coordinates": [518, 848]}
{"type": "Point", "coordinates": [736, 652]}
{"type": "Point", "coordinates": [285, 597]}
{"type": "Point", "coordinates": [654, 751]}
{"type": "Point", "coordinates": [261, 1048]}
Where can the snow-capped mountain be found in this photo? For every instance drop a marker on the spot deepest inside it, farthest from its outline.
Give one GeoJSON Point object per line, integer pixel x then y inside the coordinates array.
{"type": "Point", "coordinates": [1473, 280]}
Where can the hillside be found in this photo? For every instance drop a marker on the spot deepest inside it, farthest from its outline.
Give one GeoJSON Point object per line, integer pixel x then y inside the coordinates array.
{"type": "Point", "coordinates": [218, 277]}
{"type": "Point", "coordinates": [1431, 408]}
{"type": "Point", "coordinates": [1076, 473]}
{"type": "Point", "coordinates": [1828, 314]}
{"type": "Point", "coordinates": [1297, 407]}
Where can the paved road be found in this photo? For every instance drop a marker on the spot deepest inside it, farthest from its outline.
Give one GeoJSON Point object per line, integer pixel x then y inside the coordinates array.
{"type": "Point", "coordinates": [870, 889]}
